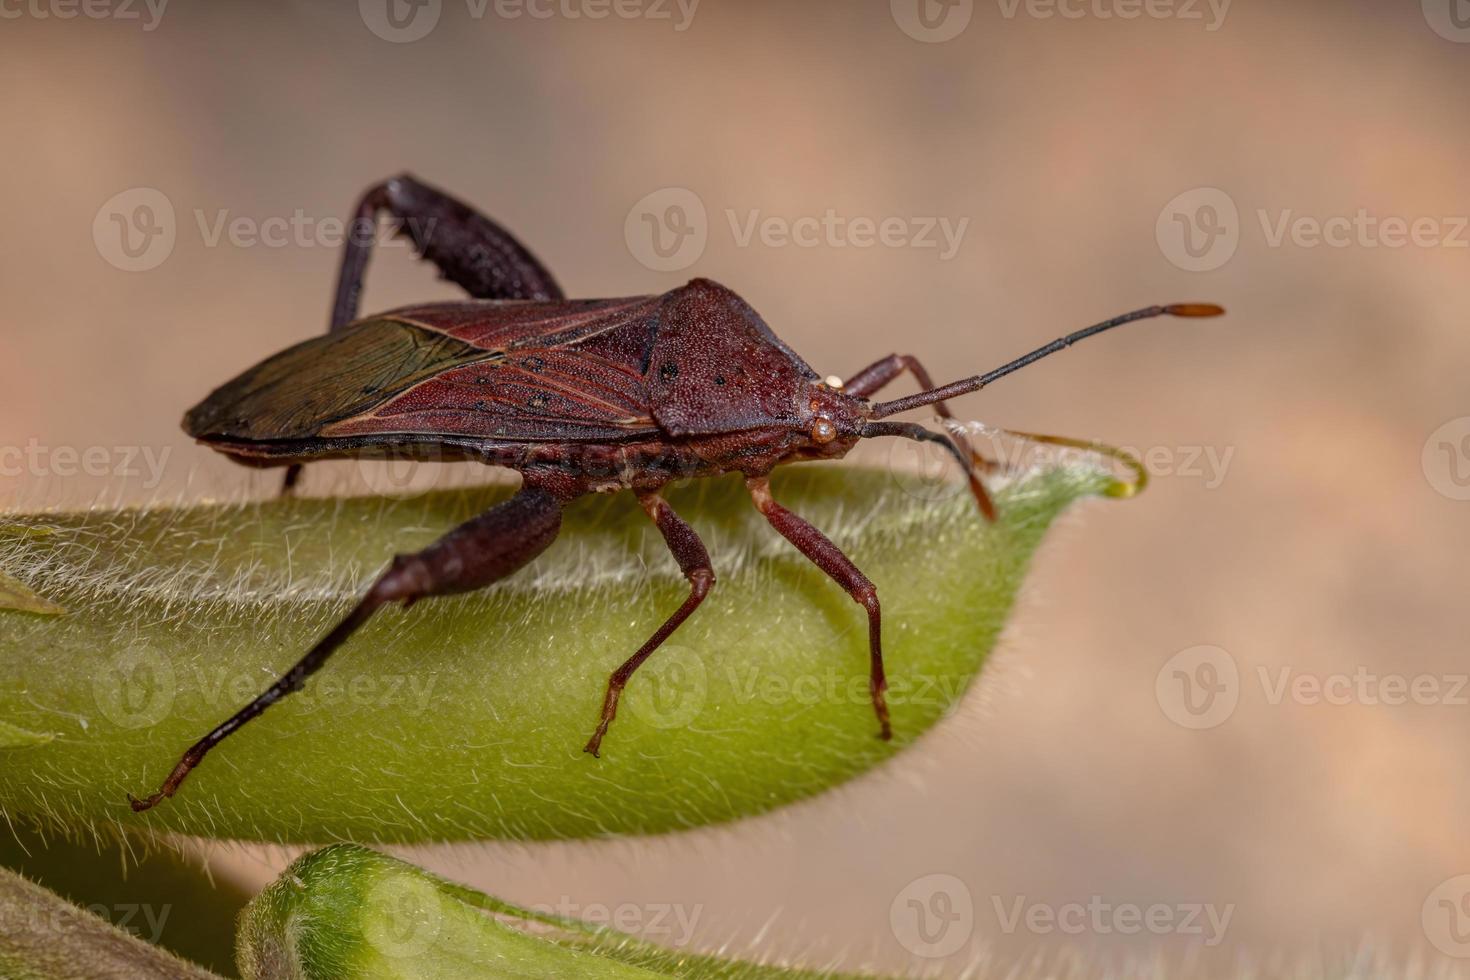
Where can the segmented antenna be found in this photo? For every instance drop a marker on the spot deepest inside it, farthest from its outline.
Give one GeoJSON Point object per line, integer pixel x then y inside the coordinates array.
{"type": "Point", "coordinates": [967, 385]}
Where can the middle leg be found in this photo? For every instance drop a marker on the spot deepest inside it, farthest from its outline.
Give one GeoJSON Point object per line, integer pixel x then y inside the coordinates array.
{"type": "Point", "coordinates": [830, 559]}
{"type": "Point", "coordinates": [694, 562]}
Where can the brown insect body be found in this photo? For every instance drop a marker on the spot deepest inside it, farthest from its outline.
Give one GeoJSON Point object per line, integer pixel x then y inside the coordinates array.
{"type": "Point", "coordinates": [594, 395]}
{"type": "Point", "coordinates": [579, 396]}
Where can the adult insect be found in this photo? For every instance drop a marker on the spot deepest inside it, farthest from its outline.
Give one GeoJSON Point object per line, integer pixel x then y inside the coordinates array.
{"type": "Point", "coordinates": [579, 396]}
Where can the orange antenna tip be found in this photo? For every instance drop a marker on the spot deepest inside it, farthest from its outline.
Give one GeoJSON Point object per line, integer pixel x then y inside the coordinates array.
{"type": "Point", "coordinates": [1194, 309]}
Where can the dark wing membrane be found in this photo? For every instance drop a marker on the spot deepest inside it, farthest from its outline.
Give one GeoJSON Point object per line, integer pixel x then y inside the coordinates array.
{"type": "Point", "coordinates": [534, 394]}
{"type": "Point", "coordinates": [382, 375]}
{"type": "Point", "coordinates": [293, 394]}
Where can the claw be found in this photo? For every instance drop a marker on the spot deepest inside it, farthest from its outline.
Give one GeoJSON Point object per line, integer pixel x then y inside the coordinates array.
{"type": "Point", "coordinates": [140, 805]}
{"type": "Point", "coordinates": [594, 744]}
{"type": "Point", "coordinates": [170, 785]}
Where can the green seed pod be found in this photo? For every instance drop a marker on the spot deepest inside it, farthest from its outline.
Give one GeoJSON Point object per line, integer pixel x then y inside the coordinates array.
{"type": "Point", "coordinates": [348, 912]}
{"type": "Point", "coordinates": [464, 718]}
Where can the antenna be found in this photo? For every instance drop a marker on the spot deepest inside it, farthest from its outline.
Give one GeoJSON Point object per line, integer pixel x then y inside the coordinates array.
{"type": "Point", "coordinates": [956, 388]}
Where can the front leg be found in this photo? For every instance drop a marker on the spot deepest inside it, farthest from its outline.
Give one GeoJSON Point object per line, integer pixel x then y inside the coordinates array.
{"type": "Point", "coordinates": [830, 559]}
{"type": "Point", "coordinates": [875, 376]}
{"type": "Point", "coordinates": [472, 556]}
{"type": "Point", "coordinates": [694, 562]}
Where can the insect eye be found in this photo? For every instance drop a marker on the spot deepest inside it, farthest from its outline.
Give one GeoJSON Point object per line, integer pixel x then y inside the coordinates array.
{"type": "Point", "coordinates": [823, 431]}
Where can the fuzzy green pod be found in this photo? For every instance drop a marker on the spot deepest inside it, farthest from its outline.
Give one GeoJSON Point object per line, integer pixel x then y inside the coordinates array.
{"type": "Point", "coordinates": [350, 913]}
{"type": "Point", "coordinates": [464, 718]}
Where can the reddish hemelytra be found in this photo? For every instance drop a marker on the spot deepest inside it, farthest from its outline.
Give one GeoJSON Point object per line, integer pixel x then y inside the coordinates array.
{"type": "Point", "coordinates": [579, 396]}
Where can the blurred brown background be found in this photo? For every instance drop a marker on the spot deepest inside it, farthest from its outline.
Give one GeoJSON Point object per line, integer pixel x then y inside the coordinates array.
{"type": "Point", "coordinates": [1309, 450]}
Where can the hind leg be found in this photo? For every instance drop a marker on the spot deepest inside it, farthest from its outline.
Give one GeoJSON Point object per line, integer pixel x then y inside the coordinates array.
{"type": "Point", "coordinates": [468, 248]}
{"type": "Point", "coordinates": [472, 556]}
